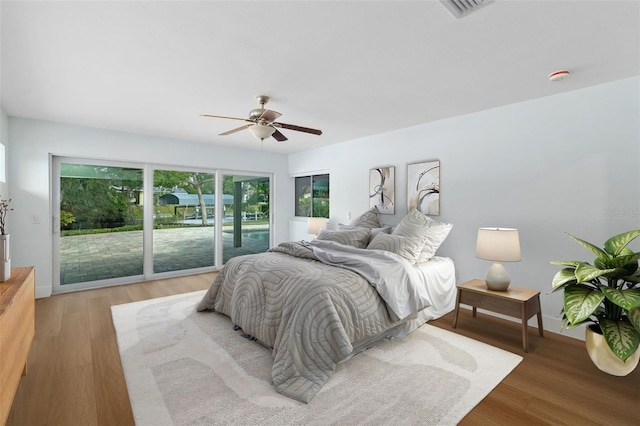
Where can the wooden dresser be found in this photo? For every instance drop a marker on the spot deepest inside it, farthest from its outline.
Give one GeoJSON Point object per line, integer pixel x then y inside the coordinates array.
{"type": "Point", "coordinates": [17, 328]}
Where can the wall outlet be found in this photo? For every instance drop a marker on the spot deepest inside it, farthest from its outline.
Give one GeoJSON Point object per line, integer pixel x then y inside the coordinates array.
{"type": "Point", "coordinates": [35, 219]}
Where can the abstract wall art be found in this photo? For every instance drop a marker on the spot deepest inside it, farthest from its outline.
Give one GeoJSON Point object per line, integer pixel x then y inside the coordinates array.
{"type": "Point", "coordinates": [423, 187]}
{"type": "Point", "coordinates": [382, 194]}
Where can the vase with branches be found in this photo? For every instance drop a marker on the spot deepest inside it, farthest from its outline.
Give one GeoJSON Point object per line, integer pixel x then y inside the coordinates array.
{"type": "Point", "coordinates": [4, 209]}
{"type": "Point", "coordinates": [5, 247]}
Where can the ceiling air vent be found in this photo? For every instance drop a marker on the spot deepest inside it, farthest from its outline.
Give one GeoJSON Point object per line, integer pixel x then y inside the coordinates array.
{"type": "Point", "coordinates": [460, 8]}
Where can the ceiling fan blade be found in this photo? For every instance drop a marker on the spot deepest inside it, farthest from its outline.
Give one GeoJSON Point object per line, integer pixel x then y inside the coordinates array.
{"type": "Point", "coordinates": [269, 115]}
{"type": "Point", "coordinates": [297, 128]}
{"type": "Point", "coordinates": [225, 118]}
{"type": "Point", "coordinates": [237, 129]}
{"type": "Point", "coordinates": [279, 136]}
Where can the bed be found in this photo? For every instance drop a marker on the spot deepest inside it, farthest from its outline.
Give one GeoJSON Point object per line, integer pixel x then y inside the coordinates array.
{"type": "Point", "coordinates": [317, 303]}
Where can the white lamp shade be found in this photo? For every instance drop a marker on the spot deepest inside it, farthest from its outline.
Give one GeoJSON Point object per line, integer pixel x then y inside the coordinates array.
{"type": "Point", "coordinates": [261, 131]}
{"type": "Point", "coordinates": [498, 244]}
{"type": "Point", "coordinates": [316, 224]}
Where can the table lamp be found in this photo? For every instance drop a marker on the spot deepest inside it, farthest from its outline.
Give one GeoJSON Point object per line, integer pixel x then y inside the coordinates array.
{"type": "Point", "coordinates": [316, 224]}
{"type": "Point", "coordinates": [499, 245]}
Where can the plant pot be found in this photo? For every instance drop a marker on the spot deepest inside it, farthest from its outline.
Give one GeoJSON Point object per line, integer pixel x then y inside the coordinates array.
{"type": "Point", "coordinates": [602, 356]}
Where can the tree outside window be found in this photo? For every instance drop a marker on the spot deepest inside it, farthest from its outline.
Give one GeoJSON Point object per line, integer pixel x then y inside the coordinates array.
{"type": "Point", "coordinates": [312, 196]}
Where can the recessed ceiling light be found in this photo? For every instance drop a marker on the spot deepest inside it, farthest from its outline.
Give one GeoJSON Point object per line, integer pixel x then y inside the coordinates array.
{"type": "Point", "coordinates": [559, 75]}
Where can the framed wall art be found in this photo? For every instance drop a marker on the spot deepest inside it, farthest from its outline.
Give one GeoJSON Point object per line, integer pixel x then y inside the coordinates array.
{"type": "Point", "coordinates": [382, 194]}
{"type": "Point", "coordinates": [423, 187]}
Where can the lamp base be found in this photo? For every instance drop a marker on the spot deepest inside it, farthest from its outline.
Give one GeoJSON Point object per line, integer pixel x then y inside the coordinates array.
{"type": "Point", "coordinates": [497, 278]}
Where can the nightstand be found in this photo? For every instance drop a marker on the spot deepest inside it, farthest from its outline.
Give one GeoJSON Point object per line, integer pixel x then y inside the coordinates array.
{"type": "Point", "coordinates": [516, 302]}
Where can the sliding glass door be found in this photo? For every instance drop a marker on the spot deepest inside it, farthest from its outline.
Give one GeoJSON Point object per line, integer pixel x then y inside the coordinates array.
{"type": "Point", "coordinates": [100, 218]}
{"type": "Point", "coordinates": [246, 226]}
{"type": "Point", "coordinates": [183, 220]}
{"type": "Point", "coordinates": [117, 223]}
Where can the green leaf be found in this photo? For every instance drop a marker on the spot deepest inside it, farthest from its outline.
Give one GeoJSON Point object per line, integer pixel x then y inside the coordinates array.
{"type": "Point", "coordinates": [633, 279]}
{"type": "Point", "coordinates": [580, 302]}
{"type": "Point", "coordinates": [617, 243]}
{"type": "Point", "coordinates": [631, 268]}
{"type": "Point", "coordinates": [634, 318]}
{"type": "Point", "coordinates": [586, 272]}
{"type": "Point", "coordinates": [595, 250]}
{"type": "Point", "coordinates": [601, 263]}
{"type": "Point", "coordinates": [563, 277]}
{"type": "Point", "coordinates": [617, 274]}
{"type": "Point", "coordinates": [621, 337]}
{"type": "Point", "coordinates": [627, 299]}
{"type": "Point", "coordinates": [572, 263]}
{"type": "Point", "coordinates": [623, 261]}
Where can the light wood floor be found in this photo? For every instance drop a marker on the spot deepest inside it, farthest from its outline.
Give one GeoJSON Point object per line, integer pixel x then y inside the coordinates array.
{"type": "Point", "coordinates": [75, 376]}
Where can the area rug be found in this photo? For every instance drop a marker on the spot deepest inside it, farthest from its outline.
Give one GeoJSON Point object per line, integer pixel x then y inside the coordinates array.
{"type": "Point", "coordinates": [192, 368]}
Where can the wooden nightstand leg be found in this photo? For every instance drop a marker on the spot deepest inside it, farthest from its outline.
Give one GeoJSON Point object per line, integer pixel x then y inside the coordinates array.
{"type": "Point", "coordinates": [540, 329]}
{"type": "Point", "coordinates": [525, 331]}
{"type": "Point", "coordinates": [455, 315]}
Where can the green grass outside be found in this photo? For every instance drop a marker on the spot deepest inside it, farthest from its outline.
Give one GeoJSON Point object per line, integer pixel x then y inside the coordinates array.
{"type": "Point", "coordinates": [129, 228]}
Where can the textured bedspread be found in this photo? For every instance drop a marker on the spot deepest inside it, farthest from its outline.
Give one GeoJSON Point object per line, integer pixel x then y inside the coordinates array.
{"type": "Point", "coordinates": [310, 311]}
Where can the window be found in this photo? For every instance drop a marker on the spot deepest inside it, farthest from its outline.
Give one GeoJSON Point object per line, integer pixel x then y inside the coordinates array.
{"type": "Point", "coordinates": [312, 196]}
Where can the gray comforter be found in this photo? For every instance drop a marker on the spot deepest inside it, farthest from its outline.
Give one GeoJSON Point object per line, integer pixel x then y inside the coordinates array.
{"type": "Point", "coordinates": [311, 302]}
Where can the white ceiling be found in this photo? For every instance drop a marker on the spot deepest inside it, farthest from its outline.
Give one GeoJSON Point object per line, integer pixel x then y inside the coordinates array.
{"type": "Point", "coordinates": [350, 68]}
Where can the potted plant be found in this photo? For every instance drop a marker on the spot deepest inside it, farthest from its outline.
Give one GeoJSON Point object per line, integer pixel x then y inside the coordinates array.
{"type": "Point", "coordinates": [606, 296]}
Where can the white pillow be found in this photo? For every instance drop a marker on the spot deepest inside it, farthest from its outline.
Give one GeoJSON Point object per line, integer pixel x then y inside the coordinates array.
{"type": "Point", "coordinates": [358, 237]}
{"type": "Point", "coordinates": [413, 225]}
{"type": "Point", "coordinates": [407, 247]}
{"type": "Point", "coordinates": [418, 224]}
{"type": "Point", "coordinates": [436, 234]}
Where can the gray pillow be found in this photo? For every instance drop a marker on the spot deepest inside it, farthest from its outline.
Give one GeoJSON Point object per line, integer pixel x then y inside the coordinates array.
{"type": "Point", "coordinates": [387, 229]}
{"type": "Point", "coordinates": [358, 237]}
{"type": "Point", "coordinates": [376, 231]}
{"type": "Point", "coordinates": [407, 247]}
{"type": "Point", "coordinates": [368, 219]}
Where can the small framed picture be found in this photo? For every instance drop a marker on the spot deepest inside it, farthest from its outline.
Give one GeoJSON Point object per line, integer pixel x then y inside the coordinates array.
{"type": "Point", "coordinates": [382, 194]}
{"type": "Point", "coordinates": [423, 187]}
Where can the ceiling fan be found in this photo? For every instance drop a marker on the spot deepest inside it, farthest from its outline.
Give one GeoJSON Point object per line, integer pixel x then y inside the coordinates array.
{"type": "Point", "coordinates": [262, 124]}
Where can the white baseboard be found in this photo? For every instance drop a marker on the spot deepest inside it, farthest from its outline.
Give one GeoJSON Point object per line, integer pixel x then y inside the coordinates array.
{"type": "Point", "coordinates": [549, 324]}
{"type": "Point", "coordinates": [42, 292]}
{"type": "Point", "coordinates": [555, 326]}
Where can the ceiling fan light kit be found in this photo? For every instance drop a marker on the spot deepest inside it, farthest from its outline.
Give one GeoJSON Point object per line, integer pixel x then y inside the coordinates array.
{"type": "Point", "coordinates": [261, 131]}
{"type": "Point", "coordinates": [262, 123]}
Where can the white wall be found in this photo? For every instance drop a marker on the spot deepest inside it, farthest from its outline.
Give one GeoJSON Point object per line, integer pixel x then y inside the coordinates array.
{"type": "Point", "coordinates": [33, 142]}
{"type": "Point", "coordinates": [566, 163]}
